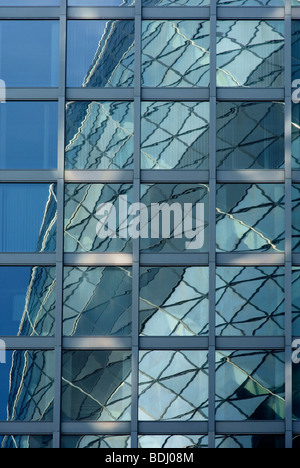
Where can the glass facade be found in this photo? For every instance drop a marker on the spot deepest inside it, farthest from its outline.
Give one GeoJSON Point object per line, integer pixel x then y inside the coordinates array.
{"type": "Point", "coordinates": [150, 223]}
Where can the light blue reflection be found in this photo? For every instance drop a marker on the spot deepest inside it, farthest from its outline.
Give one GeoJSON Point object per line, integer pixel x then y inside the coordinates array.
{"type": "Point", "coordinates": [28, 135]}
{"type": "Point", "coordinates": [29, 53]}
{"type": "Point", "coordinates": [28, 218]}
{"type": "Point", "coordinates": [29, 2]}
{"type": "Point", "coordinates": [110, 3]}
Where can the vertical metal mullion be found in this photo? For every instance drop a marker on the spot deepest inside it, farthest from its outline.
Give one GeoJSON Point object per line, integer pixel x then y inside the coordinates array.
{"type": "Point", "coordinates": [288, 224]}
{"type": "Point", "coordinates": [212, 223]}
{"type": "Point", "coordinates": [60, 226]}
{"type": "Point", "coordinates": [136, 242]}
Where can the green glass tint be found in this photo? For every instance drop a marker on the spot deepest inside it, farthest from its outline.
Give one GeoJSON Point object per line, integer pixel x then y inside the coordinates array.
{"type": "Point", "coordinates": [97, 301]}
{"type": "Point", "coordinates": [174, 301]}
{"type": "Point", "coordinates": [250, 218]}
{"type": "Point", "coordinates": [250, 385]}
{"type": "Point", "coordinates": [175, 53]}
{"type": "Point", "coordinates": [96, 386]}
{"type": "Point", "coordinates": [175, 135]}
{"type": "Point", "coordinates": [250, 54]}
{"type": "Point", "coordinates": [99, 135]}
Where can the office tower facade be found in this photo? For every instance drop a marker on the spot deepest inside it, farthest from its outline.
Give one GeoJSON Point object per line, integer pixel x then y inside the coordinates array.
{"type": "Point", "coordinates": [150, 217]}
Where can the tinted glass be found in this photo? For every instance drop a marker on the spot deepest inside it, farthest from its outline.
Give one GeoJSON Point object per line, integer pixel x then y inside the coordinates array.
{"type": "Point", "coordinates": [174, 301]}
{"type": "Point", "coordinates": [100, 54]}
{"type": "Point", "coordinates": [250, 53]}
{"type": "Point", "coordinates": [250, 301]}
{"type": "Point", "coordinates": [96, 386]}
{"type": "Point", "coordinates": [26, 442]}
{"type": "Point", "coordinates": [101, 2]}
{"type": "Point", "coordinates": [296, 301]}
{"type": "Point", "coordinates": [27, 301]}
{"type": "Point", "coordinates": [173, 441]}
{"type": "Point", "coordinates": [177, 381]}
{"type": "Point", "coordinates": [175, 135]}
{"type": "Point", "coordinates": [97, 301]}
{"type": "Point", "coordinates": [96, 442]}
{"type": "Point", "coordinates": [28, 214]}
{"type": "Point", "coordinates": [184, 231]}
{"type": "Point", "coordinates": [29, 2]}
{"type": "Point", "coordinates": [250, 135]}
{"type": "Point", "coordinates": [296, 48]}
{"type": "Point", "coordinates": [99, 135]}
{"type": "Point", "coordinates": [175, 3]}
{"type": "Point", "coordinates": [27, 386]}
{"type": "Point", "coordinates": [296, 135]}
{"type": "Point", "coordinates": [296, 391]}
{"type": "Point", "coordinates": [34, 63]}
{"type": "Point", "coordinates": [175, 53]}
{"type": "Point", "coordinates": [82, 217]}
{"type": "Point", "coordinates": [250, 2]}
{"type": "Point", "coordinates": [257, 441]}
{"type": "Point", "coordinates": [296, 217]}
{"type": "Point", "coordinates": [250, 218]}
{"type": "Point", "coordinates": [28, 135]}
{"type": "Point", "coordinates": [250, 385]}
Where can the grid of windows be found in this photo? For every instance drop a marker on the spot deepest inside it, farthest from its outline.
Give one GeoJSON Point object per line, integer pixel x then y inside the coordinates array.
{"type": "Point", "coordinates": [121, 341]}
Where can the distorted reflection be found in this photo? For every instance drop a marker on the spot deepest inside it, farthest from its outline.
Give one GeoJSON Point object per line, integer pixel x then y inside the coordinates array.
{"type": "Point", "coordinates": [81, 205]}
{"type": "Point", "coordinates": [296, 301]}
{"type": "Point", "coordinates": [26, 442]}
{"type": "Point", "coordinates": [296, 217]}
{"type": "Point", "coordinates": [250, 217]}
{"type": "Point", "coordinates": [174, 301]}
{"type": "Point", "coordinates": [177, 381]}
{"type": "Point", "coordinates": [97, 301]}
{"type": "Point", "coordinates": [250, 301]}
{"type": "Point", "coordinates": [173, 441]}
{"type": "Point", "coordinates": [27, 386]}
{"type": "Point", "coordinates": [96, 386]}
{"type": "Point", "coordinates": [101, 3]}
{"type": "Point", "coordinates": [100, 53]}
{"type": "Point", "coordinates": [99, 135]}
{"type": "Point", "coordinates": [175, 135]}
{"type": "Point", "coordinates": [151, 3]}
{"type": "Point", "coordinates": [258, 441]}
{"type": "Point", "coordinates": [250, 385]}
{"type": "Point", "coordinates": [175, 53]}
{"type": "Point", "coordinates": [250, 53]}
{"type": "Point", "coordinates": [250, 135]}
{"type": "Point", "coordinates": [96, 442]}
{"type": "Point", "coordinates": [27, 301]}
{"type": "Point", "coordinates": [250, 2]}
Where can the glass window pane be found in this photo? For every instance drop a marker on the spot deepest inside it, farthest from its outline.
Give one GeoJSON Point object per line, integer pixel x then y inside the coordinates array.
{"type": "Point", "coordinates": [296, 217]}
{"type": "Point", "coordinates": [250, 218]}
{"type": "Point", "coordinates": [97, 301]}
{"type": "Point", "coordinates": [99, 135]}
{"type": "Point", "coordinates": [96, 442]}
{"type": "Point", "coordinates": [28, 213]}
{"type": "Point", "coordinates": [173, 441]}
{"type": "Point", "coordinates": [174, 301]}
{"type": "Point", "coordinates": [296, 301]}
{"type": "Point", "coordinates": [100, 53]}
{"type": "Point", "coordinates": [27, 301]}
{"type": "Point", "coordinates": [26, 442]}
{"type": "Point", "coordinates": [27, 3]}
{"type": "Point", "coordinates": [86, 206]}
{"type": "Point", "coordinates": [250, 301]}
{"type": "Point", "coordinates": [250, 53]}
{"type": "Point", "coordinates": [35, 62]}
{"type": "Point", "coordinates": [175, 53]}
{"type": "Point", "coordinates": [296, 392]}
{"type": "Point", "coordinates": [179, 219]}
{"type": "Point", "coordinates": [296, 135]}
{"type": "Point", "coordinates": [28, 135]}
{"type": "Point", "coordinates": [258, 441]}
{"type": "Point", "coordinates": [96, 386]}
{"type": "Point", "coordinates": [27, 386]}
{"type": "Point", "coordinates": [177, 381]}
{"type": "Point", "coordinates": [110, 3]}
{"type": "Point", "coordinates": [296, 48]}
{"type": "Point", "coordinates": [250, 135]}
{"type": "Point", "coordinates": [250, 385]}
{"type": "Point", "coordinates": [250, 2]}
{"type": "Point", "coordinates": [175, 135]}
{"type": "Point", "coordinates": [175, 3]}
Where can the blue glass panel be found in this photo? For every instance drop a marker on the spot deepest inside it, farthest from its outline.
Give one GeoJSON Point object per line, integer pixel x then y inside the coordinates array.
{"type": "Point", "coordinates": [110, 3]}
{"type": "Point", "coordinates": [27, 301]}
{"type": "Point", "coordinates": [173, 441]}
{"type": "Point", "coordinates": [96, 442]}
{"type": "Point", "coordinates": [34, 62]}
{"type": "Point", "coordinates": [28, 135]}
{"type": "Point", "coordinates": [258, 441]}
{"type": "Point", "coordinates": [27, 386]}
{"type": "Point", "coordinates": [250, 2]}
{"type": "Point", "coordinates": [29, 2]}
{"type": "Point", "coordinates": [26, 442]}
{"type": "Point", "coordinates": [175, 3]}
{"type": "Point", "coordinates": [28, 214]}
{"type": "Point", "coordinates": [100, 54]}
